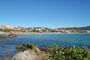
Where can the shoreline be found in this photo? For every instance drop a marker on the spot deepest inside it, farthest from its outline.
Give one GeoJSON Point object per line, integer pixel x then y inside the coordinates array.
{"type": "Point", "coordinates": [41, 33]}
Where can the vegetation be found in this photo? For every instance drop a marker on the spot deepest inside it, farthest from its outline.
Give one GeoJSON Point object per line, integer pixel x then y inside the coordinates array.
{"type": "Point", "coordinates": [73, 53]}
{"type": "Point", "coordinates": [56, 52]}
{"type": "Point", "coordinates": [76, 28]}
{"type": "Point", "coordinates": [61, 53]}
{"type": "Point", "coordinates": [7, 30]}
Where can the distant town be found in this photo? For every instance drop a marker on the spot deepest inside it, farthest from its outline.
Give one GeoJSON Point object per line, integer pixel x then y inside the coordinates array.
{"type": "Point", "coordinates": [6, 28]}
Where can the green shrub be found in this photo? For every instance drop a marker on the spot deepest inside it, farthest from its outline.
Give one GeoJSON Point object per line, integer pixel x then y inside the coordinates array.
{"type": "Point", "coordinates": [73, 53]}
{"type": "Point", "coordinates": [7, 30]}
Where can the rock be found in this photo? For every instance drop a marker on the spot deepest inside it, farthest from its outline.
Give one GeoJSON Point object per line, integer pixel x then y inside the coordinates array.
{"type": "Point", "coordinates": [9, 36]}
{"type": "Point", "coordinates": [27, 46]}
{"type": "Point", "coordinates": [12, 35]}
{"type": "Point", "coordinates": [29, 52]}
{"type": "Point", "coordinates": [26, 55]}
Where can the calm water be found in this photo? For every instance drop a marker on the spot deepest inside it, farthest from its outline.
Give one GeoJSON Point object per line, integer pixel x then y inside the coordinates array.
{"type": "Point", "coordinates": [9, 44]}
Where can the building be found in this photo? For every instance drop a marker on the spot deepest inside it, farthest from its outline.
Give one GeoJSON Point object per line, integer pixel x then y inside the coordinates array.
{"type": "Point", "coordinates": [20, 29]}
{"type": "Point", "coordinates": [3, 27]}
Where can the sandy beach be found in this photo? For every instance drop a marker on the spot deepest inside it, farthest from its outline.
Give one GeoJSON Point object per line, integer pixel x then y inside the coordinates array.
{"type": "Point", "coordinates": [41, 33]}
{"type": "Point", "coordinates": [32, 33]}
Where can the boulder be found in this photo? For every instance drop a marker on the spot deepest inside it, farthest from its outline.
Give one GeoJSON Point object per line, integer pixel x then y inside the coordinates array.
{"type": "Point", "coordinates": [12, 35]}
{"type": "Point", "coordinates": [26, 55]}
{"type": "Point", "coordinates": [29, 52]}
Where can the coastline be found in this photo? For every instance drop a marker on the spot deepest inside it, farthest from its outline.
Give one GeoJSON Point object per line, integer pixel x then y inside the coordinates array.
{"type": "Point", "coordinates": [41, 33]}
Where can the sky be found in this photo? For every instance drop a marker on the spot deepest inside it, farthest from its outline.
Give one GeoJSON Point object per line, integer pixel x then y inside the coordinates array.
{"type": "Point", "coordinates": [45, 13]}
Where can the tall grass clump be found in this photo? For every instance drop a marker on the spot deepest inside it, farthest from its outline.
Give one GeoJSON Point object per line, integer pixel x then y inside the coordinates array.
{"type": "Point", "coordinates": [66, 53]}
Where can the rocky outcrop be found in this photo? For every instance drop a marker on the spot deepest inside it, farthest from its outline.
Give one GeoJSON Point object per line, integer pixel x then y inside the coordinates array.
{"type": "Point", "coordinates": [29, 52]}
{"type": "Point", "coordinates": [12, 35]}
{"type": "Point", "coordinates": [9, 36]}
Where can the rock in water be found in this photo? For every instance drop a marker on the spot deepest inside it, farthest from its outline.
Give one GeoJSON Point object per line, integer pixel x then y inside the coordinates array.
{"type": "Point", "coordinates": [12, 35]}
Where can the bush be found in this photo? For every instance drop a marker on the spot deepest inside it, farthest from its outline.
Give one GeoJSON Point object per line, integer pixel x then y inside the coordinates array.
{"type": "Point", "coordinates": [7, 30]}
{"type": "Point", "coordinates": [73, 53]}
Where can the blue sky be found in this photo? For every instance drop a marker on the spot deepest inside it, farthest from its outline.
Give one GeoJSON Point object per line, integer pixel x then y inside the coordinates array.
{"type": "Point", "coordinates": [47, 13]}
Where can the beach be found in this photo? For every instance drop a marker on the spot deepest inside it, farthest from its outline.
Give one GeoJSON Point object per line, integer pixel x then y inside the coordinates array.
{"type": "Point", "coordinates": [40, 33]}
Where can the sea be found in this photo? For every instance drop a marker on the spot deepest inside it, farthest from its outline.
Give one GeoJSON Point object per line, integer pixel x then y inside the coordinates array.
{"type": "Point", "coordinates": [8, 45]}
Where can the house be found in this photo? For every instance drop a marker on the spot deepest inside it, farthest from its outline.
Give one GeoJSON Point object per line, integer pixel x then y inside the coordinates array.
{"type": "Point", "coordinates": [3, 27]}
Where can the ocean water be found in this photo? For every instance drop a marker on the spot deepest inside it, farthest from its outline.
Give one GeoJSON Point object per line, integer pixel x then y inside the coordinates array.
{"type": "Point", "coordinates": [9, 44]}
